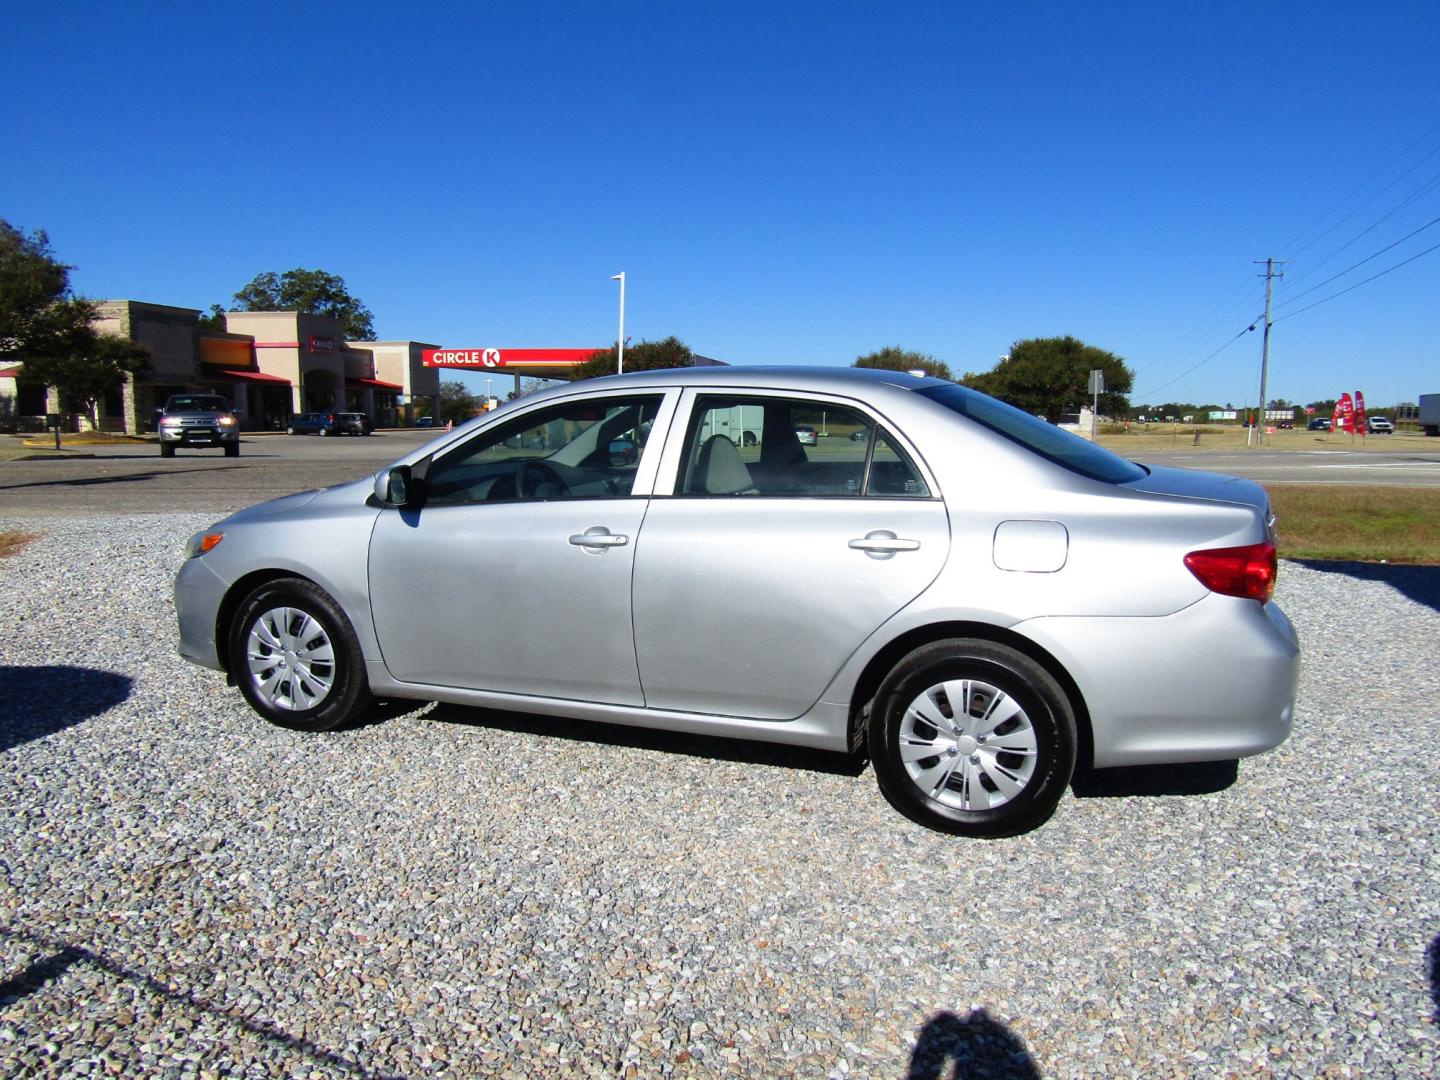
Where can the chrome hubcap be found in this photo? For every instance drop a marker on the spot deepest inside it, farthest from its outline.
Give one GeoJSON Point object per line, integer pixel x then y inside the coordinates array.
{"type": "Point", "coordinates": [968, 745]}
{"type": "Point", "coordinates": [291, 659]}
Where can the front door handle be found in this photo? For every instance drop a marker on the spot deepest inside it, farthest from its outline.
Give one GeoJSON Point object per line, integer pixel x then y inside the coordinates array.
{"type": "Point", "coordinates": [882, 544]}
{"type": "Point", "coordinates": [597, 537]}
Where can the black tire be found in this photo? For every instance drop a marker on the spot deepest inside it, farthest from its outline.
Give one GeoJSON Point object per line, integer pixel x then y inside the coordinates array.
{"type": "Point", "coordinates": [1036, 763]}
{"type": "Point", "coordinates": [167, 450]}
{"type": "Point", "coordinates": [232, 450]}
{"type": "Point", "coordinates": [289, 431]}
{"type": "Point", "coordinates": [293, 702]}
{"type": "Point", "coordinates": [322, 432]}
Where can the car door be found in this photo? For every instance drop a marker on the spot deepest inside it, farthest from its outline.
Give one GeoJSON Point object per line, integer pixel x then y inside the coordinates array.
{"type": "Point", "coordinates": [515, 573]}
{"type": "Point", "coordinates": [761, 568]}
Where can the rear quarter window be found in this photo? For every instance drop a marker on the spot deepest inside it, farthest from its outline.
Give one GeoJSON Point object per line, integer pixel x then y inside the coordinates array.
{"type": "Point", "coordinates": [1049, 442]}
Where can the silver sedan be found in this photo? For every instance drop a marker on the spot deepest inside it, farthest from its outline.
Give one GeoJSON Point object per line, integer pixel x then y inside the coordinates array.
{"type": "Point", "coordinates": [981, 600]}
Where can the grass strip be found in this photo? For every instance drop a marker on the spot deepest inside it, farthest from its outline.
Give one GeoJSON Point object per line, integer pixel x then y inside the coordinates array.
{"type": "Point", "coordinates": [1357, 524]}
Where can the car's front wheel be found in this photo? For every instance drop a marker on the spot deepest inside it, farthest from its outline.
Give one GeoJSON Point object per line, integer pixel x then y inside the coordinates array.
{"type": "Point", "coordinates": [974, 738]}
{"type": "Point", "coordinates": [294, 654]}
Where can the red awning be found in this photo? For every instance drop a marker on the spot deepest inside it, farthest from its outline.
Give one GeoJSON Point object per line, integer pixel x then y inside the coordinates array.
{"type": "Point", "coordinates": [374, 384]}
{"type": "Point", "coordinates": [242, 376]}
{"type": "Point", "coordinates": [9, 373]}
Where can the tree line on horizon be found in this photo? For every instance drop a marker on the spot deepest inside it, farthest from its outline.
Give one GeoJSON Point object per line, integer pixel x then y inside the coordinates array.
{"type": "Point", "coordinates": [51, 330]}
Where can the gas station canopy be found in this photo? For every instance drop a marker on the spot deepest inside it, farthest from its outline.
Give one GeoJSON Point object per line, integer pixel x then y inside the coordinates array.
{"type": "Point", "coordinates": [537, 363]}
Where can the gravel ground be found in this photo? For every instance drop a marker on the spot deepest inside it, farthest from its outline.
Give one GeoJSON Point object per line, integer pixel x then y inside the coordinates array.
{"type": "Point", "coordinates": [187, 891]}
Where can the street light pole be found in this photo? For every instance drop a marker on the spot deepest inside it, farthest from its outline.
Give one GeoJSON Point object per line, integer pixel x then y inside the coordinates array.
{"type": "Point", "coordinates": [620, 353]}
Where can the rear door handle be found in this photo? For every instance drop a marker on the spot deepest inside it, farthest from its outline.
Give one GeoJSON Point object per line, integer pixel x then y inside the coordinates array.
{"type": "Point", "coordinates": [597, 537]}
{"type": "Point", "coordinates": [882, 543]}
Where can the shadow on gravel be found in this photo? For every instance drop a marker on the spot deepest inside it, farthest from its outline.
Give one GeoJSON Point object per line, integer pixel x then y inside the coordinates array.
{"type": "Point", "coordinates": [666, 742]}
{"type": "Point", "coordinates": [92, 481]}
{"type": "Point", "coordinates": [39, 701]}
{"type": "Point", "coordinates": [1419, 583]}
{"type": "Point", "coordinates": [951, 1047]}
{"type": "Point", "coordinates": [1196, 778]}
{"type": "Point", "coordinates": [62, 957]}
{"type": "Point", "coordinates": [1432, 968]}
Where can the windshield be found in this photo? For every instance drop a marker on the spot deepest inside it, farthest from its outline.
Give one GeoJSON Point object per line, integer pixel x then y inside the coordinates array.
{"type": "Point", "coordinates": [1050, 442]}
{"type": "Point", "coordinates": [198, 403]}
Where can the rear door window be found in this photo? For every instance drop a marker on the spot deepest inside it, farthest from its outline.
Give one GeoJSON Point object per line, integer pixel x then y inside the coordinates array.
{"type": "Point", "coordinates": [790, 447]}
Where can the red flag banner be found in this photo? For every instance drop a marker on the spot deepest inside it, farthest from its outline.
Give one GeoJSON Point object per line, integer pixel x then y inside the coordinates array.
{"type": "Point", "coordinates": [1360, 412]}
{"type": "Point", "coordinates": [1344, 414]}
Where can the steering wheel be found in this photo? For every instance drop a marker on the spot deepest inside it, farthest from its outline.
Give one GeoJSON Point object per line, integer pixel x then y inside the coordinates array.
{"type": "Point", "coordinates": [531, 476]}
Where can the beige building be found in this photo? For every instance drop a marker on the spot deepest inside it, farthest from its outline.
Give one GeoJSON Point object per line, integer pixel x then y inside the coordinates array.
{"type": "Point", "coordinates": [271, 364]}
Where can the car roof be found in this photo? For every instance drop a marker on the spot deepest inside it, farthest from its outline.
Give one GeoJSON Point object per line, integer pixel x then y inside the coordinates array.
{"type": "Point", "coordinates": [767, 375]}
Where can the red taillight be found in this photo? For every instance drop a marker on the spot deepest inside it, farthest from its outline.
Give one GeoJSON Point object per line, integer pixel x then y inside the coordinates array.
{"type": "Point", "coordinates": [1247, 572]}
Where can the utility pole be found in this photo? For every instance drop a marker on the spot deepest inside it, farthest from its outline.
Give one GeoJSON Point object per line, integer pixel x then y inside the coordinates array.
{"type": "Point", "coordinates": [1270, 274]}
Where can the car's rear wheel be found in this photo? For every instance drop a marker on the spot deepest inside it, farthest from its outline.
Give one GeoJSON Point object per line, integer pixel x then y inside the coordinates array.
{"type": "Point", "coordinates": [973, 738]}
{"type": "Point", "coordinates": [323, 432]}
{"type": "Point", "coordinates": [295, 656]}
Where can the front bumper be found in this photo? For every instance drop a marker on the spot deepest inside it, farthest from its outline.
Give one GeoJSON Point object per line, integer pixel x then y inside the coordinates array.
{"type": "Point", "coordinates": [1211, 682]}
{"type": "Point", "coordinates": [198, 594]}
{"type": "Point", "coordinates": [200, 436]}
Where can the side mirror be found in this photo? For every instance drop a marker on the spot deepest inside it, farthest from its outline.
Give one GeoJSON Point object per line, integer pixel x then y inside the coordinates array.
{"type": "Point", "coordinates": [397, 488]}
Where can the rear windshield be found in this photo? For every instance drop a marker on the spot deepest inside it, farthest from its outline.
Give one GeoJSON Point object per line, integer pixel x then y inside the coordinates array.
{"type": "Point", "coordinates": [1050, 442]}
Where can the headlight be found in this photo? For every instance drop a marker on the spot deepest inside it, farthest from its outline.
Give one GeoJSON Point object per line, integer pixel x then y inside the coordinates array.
{"type": "Point", "coordinates": [227, 421]}
{"type": "Point", "coordinates": [170, 421]}
{"type": "Point", "coordinates": [202, 542]}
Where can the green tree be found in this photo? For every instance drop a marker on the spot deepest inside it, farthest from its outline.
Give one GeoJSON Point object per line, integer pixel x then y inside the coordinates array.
{"type": "Point", "coordinates": [642, 356]}
{"type": "Point", "coordinates": [314, 292]}
{"type": "Point", "coordinates": [1049, 376]}
{"type": "Point", "coordinates": [457, 404]}
{"type": "Point", "coordinates": [86, 374]}
{"type": "Point", "coordinates": [894, 358]}
{"type": "Point", "coordinates": [50, 331]}
{"type": "Point", "coordinates": [38, 314]}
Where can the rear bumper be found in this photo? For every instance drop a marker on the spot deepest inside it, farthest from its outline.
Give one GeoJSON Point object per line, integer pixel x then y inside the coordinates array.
{"type": "Point", "coordinates": [1212, 682]}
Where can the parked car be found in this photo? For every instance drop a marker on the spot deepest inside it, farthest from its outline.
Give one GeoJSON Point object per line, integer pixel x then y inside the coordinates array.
{"type": "Point", "coordinates": [980, 599]}
{"type": "Point", "coordinates": [198, 421]}
{"type": "Point", "coordinates": [1320, 423]}
{"type": "Point", "coordinates": [806, 435]}
{"type": "Point", "coordinates": [353, 423]}
{"type": "Point", "coordinates": [330, 423]}
{"type": "Point", "coordinates": [425, 421]}
{"type": "Point", "coordinates": [1379, 425]}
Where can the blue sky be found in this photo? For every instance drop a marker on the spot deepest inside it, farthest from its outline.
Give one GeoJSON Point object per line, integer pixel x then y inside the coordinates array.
{"type": "Point", "coordinates": [795, 183]}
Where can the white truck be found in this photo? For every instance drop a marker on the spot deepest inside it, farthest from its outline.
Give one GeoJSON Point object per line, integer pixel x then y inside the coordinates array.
{"type": "Point", "coordinates": [1430, 414]}
{"type": "Point", "coordinates": [742, 424]}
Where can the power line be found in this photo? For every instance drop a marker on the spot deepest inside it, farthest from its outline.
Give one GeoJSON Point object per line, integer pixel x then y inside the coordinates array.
{"type": "Point", "coordinates": [1378, 173]}
{"type": "Point", "coordinates": [1357, 285]}
{"type": "Point", "coordinates": [1203, 362]}
{"type": "Point", "coordinates": [1423, 190]}
{"type": "Point", "coordinates": [1362, 262]}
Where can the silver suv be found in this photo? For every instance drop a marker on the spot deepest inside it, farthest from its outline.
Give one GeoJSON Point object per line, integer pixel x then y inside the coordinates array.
{"type": "Point", "coordinates": [201, 421]}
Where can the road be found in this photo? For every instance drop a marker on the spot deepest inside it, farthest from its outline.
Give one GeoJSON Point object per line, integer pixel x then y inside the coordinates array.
{"type": "Point", "coordinates": [1407, 467]}
{"type": "Point", "coordinates": [135, 479]}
